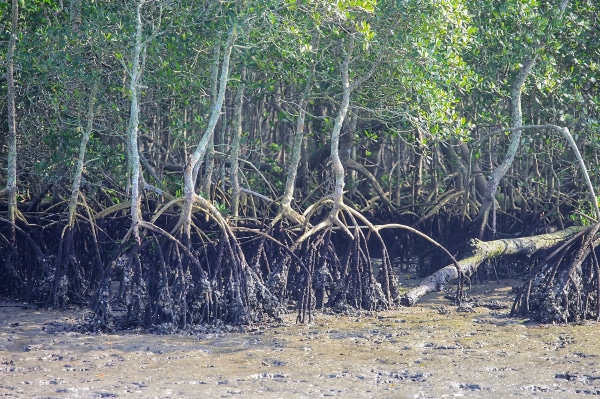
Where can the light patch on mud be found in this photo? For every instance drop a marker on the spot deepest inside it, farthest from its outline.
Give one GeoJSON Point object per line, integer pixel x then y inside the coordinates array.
{"type": "Point", "coordinates": [431, 350]}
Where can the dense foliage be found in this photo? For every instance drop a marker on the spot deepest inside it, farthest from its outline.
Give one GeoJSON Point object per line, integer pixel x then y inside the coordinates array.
{"type": "Point", "coordinates": [210, 161]}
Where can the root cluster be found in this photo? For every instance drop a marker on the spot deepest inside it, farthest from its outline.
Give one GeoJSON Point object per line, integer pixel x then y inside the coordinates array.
{"type": "Point", "coordinates": [565, 285]}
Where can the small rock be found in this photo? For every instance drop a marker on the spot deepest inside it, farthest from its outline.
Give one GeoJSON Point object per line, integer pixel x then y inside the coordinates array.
{"type": "Point", "coordinates": [471, 387]}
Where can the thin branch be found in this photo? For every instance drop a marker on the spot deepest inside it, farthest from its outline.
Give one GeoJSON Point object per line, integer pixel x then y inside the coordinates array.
{"type": "Point", "coordinates": [565, 132]}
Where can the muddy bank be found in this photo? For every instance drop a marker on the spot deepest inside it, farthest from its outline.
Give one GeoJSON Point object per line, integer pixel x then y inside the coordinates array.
{"type": "Point", "coordinates": [432, 350]}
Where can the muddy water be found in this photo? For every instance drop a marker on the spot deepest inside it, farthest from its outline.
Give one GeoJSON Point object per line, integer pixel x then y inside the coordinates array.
{"type": "Point", "coordinates": [428, 351]}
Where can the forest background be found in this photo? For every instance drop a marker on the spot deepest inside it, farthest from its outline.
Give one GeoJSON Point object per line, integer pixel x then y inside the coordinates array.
{"type": "Point", "coordinates": [177, 162]}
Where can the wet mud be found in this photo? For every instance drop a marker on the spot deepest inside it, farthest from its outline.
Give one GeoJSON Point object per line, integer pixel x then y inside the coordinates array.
{"type": "Point", "coordinates": [433, 350]}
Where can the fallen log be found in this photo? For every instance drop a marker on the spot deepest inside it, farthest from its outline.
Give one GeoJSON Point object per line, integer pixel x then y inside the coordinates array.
{"type": "Point", "coordinates": [480, 251]}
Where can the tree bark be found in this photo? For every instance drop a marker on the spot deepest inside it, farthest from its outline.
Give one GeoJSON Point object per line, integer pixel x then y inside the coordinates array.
{"type": "Point", "coordinates": [338, 167]}
{"type": "Point", "coordinates": [481, 251]}
{"type": "Point", "coordinates": [515, 141]}
{"type": "Point", "coordinates": [132, 131]}
{"type": "Point", "coordinates": [210, 150]}
{"type": "Point", "coordinates": [11, 179]}
{"type": "Point", "coordinates": [189, 180]}
{"type": "Point", "coordinates": [296, 154]}
{"type": "Point", "coordinates": [235, 148]}
{"type": "Point", "coordinates": [81, 160]}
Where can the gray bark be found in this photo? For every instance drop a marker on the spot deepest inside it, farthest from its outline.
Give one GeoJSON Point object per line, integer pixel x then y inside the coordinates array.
{"type": "Point", "coordinates": [210, 150]}
{"type": "Point", "coordinates": [133, 128]}
{"type": "Point", "coordinates": [516, 122]}
{"type": "Point", "coordinates": [296, 154]}
{"type": "Point", "coordinates": [338, 168]}
{"type": "Point", "coordinates": [235, 148]}
{"type": "Point", "coordinates": [11, 179]}
{"type": "Point", "coordinates": [515, 141]}
{"type": "Point", "coordinates": [567, 135]}
{"type": "Point", "coordinates": [81, 160]}
{"type": "Point", "coordinates": [188, 174]}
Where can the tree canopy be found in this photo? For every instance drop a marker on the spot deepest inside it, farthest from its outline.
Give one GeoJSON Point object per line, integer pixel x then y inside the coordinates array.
{"type": "Point", "coordinates": [222, 161]}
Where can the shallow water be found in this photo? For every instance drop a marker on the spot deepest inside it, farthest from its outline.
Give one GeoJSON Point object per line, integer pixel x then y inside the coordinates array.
{"type": "Point", "coordinates": [431, 350]}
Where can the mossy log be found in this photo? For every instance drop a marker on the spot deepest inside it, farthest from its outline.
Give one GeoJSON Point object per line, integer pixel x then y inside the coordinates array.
{"type": "Point", "coordinates": [480, 251]}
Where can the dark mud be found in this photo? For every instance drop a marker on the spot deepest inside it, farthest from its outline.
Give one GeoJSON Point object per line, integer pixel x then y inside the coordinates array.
{"type": "Point", "coordinates": [431, 351]}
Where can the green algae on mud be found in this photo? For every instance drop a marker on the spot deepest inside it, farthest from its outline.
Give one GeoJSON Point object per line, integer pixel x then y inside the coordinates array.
{"type": "Point", "coordinates": [431, 350]}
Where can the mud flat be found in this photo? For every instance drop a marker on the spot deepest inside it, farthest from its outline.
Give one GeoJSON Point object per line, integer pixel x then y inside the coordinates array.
{"type": "Point", "coordinates": [430, 351]}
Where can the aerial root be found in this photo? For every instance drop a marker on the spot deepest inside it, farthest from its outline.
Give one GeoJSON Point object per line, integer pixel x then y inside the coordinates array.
{"type": "Point", "coordinates": [565, 285]}
{"type": "Point", "coordinates": [208, 279]}
{"type": "Point", "coordinates": [346, 281]}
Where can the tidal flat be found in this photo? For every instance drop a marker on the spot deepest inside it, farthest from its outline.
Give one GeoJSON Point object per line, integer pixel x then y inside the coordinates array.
{"type": "Point", "coordinates": [432, 350]}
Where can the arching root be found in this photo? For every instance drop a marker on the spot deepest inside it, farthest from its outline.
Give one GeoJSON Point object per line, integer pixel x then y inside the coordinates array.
{"type": "Point", "coordinates": [206, 280]}
{"type": "Point", "coordinates": [341, 268]}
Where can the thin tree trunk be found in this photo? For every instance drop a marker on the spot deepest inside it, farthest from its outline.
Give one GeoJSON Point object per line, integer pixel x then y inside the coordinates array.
{"type": "Point", "coordinates": [399, 175]}
{"type": "Point", "coordinates": [418, 170]}
{"type": "Point", "coordinates": [11, 180]}
{"type": "Point", "coordinates": [210, 150]}
{"type": "Point", "coordinates": [135, 289]}
{"type": "Point", "coordinates": [296, 154]}
{"type": "Point", "coordinates": [198, 154]}
{"type": "Point", "coordinates": [515, 141]}
{"type": "Point", "coordinates": [132, 131]}
{"type": "Point", "coordinates": [351, 151]}
{"type": "Point", "coordinates": [66, 255]}
{"type": "Point", "coordinates": [474, 171]}
{"type": "Point", "coordinates": [75, 187]}
{"type": "Point", "coordinates": [235, 148]}
{"type": "Point", "coordinates": [516, 122]}
{"type": "Point", "coordinates": [338, 167]}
